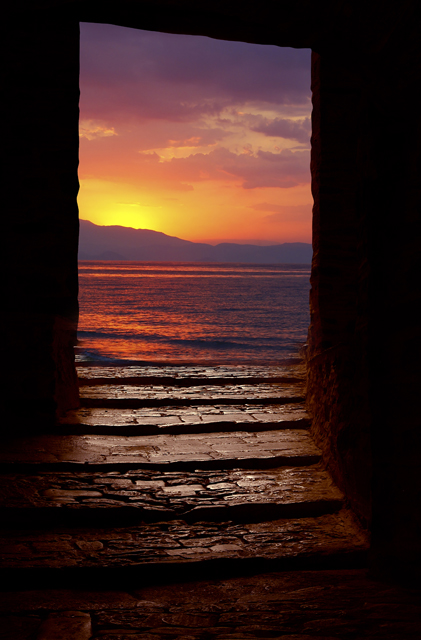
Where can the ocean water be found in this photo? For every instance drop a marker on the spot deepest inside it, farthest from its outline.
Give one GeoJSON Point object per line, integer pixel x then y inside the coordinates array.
{"type": "Point", "coordinates": [149, 312]}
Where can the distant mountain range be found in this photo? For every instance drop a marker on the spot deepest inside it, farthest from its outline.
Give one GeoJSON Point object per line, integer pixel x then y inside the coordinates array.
{"type": "Point", "coordinates": [124, 243]}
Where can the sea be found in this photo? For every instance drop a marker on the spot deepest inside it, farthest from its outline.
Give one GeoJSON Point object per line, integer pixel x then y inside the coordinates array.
{"type": "Point", "coordinates": [197, 313]}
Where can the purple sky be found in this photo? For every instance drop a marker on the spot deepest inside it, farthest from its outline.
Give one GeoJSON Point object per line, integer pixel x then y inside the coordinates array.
{"type": "Point", "coordinates": [200, 138]}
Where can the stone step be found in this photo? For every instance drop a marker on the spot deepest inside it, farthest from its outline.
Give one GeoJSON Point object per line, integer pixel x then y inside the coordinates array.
{"type": "Point", "coordinates": [113, 402]}
{"type": "Point", "coordinates": [190, 381]}
{"type": "Point", "coordinates": [178, 420]}
{"type": "Point", "coordinates": [340, 604]}
{"type": "Point", "coordinates": [168, 546]}
{"type": "Point", "coordinates": [185, 374]}
{"type": "Point", "coordinates": [205, 393]}
{"type": "Point", "coordinates": [150, 495]}
{"type": "Point", "coordinates": [130, 392]}
{"type": "Point", "coordinates": [266, 449]}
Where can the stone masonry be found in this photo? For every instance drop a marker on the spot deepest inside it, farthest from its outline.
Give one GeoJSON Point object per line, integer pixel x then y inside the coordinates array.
{"type": "Point", "coordinates": [234, 532]}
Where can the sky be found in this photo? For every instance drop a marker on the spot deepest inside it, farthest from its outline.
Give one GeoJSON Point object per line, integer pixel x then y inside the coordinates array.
{"type": "Point", "coordinates": [202, 139]}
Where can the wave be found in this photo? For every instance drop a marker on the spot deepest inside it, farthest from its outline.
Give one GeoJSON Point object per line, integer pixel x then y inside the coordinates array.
{"type": "Point", "coordinates": [200, 345]}
{"type": "Point", "coordinates": [216, 341]}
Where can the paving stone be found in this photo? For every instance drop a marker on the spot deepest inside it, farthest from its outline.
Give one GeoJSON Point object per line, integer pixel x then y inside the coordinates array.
{"type": "Point", "coordinates": [174, 401]}
{"type": "Point", "coordinates": [205, 392]}
{"type": "Point", "coordinates": [155, 374]}
{"type": "Point", "coordinates": [68, 625]}
{"type": "Point", "coordinates": [175, 420]}
{"type": "Point", "coordinates": [184, 450]}
{"type": "Point", "coordinates": [301, 605]}
{"type": "Point", "coordinates": [237, 493]}
{"type": "Point", "coordinates": [180, 542]}
{"type": "Point", "coordinates": [218, 485]}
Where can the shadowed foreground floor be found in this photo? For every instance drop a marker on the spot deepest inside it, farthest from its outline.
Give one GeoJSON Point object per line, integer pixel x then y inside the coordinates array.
{"type": "Point", "coordinates": [185, 503]}
{"type": "Point", "coordinates": [296, 605]}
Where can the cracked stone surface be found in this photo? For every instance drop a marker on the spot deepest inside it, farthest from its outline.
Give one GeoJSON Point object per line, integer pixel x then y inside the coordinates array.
{"type": "Point", "coordinates": [199, 419]}
{"type": "Point", "coordinates": [243, 372]}
{"type": "Point", "coordinates": [206, 471]}
{"type": "Point", "coordinates": [205, 393]}
{"type": "Point", "coordinates": [232, 449]}
{"type": "Point", "coordinates": [200, 494]}
{"type": "Point", "coordinates": [178, 542]}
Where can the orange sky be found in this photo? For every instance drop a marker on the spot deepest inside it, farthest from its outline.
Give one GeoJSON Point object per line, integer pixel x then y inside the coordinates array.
{"type": "Point", "coordinates": [201, 139]}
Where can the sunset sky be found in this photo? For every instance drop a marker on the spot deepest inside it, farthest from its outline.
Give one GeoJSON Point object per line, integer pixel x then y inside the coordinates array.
{"type": "Point", "coordinates": [201, 139]}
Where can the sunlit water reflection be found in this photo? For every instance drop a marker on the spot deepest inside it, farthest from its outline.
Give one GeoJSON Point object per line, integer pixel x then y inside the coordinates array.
{"type": "Point", "coordinates": [191, 312]}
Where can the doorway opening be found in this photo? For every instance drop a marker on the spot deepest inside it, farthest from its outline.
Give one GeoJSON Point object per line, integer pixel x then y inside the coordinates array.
{"type": "Point", "coordinates": [194, 161]}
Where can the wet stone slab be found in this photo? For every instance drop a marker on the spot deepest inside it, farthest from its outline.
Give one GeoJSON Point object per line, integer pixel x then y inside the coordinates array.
{"type": "Point", "coordinates": [182, 400]}
{"type": "Point", "coordinates": [235, 393]}
{"type": "Point", "coordinates": [187, 374]}
{"type": "Point", "coordinates": [226, 450]}
{"type": "Point", "coordinates": [214, 494]}
{"type": "Point", "coordinates": [178, 542]}
{"type": "Point", "coordinates": [199, 419]}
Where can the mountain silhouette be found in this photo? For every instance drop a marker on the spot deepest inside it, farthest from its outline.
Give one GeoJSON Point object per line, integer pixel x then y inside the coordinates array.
{"type": "Point", "coordinates": [124, 243]}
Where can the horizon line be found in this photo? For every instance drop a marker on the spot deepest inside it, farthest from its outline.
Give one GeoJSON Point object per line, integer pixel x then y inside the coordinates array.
{"type": "Point", "coordinates": [264, 242]}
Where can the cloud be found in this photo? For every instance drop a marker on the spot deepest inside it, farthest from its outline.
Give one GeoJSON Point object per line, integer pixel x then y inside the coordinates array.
{"type": "Point", "coordinates": [91, 129]}
{"type": "Point", "coordinates": [128, 73]}
{"type": "Point", "coordinates": [121, 158]}
{"type": "Point", "coordinates": [263, 169]}
{"type": "Point", "coordinates": [283, 213]}
{"type": "Point", "coordinates": [299, 130]}
{"type": "Point", "coordinates": [201, 139]}
{"type": "Point", "coordinates": [200, 124]}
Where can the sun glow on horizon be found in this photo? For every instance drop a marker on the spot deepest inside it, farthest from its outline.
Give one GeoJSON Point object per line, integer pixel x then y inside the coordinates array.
{"type": "Point", "coordinates": [174, 141]}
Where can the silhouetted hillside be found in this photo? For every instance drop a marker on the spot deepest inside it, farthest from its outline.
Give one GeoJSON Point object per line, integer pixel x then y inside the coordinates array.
{"type": "Point", "coordinates": [124, 243]}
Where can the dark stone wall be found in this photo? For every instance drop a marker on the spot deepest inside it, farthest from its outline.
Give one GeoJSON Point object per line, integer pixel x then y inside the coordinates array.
{"type": "Point", "coordinates": [389, 203]}
{"type": "Point", "coordinates": [338, 384]}
{"type": "Point", "coordinates": [40, 215]}
{"type": "Point", "coordinates": [364, 342]}
{"type": "Point", "coordinates": [363, 354]}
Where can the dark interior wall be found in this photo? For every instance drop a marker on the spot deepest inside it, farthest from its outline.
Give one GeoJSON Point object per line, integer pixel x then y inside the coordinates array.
{"type": "Point", "coordinates": [338, 380]}
{"type": "Point", "coordinates": [389, 204]}
{"type": "Point", "coordinates": [40, 216]}
{"type": "Point", "coordinates": [364, 334]}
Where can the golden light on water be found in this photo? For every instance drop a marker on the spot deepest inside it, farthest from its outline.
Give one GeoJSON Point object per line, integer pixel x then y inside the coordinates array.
{"type": "Point", "coordinates": [191, 311]}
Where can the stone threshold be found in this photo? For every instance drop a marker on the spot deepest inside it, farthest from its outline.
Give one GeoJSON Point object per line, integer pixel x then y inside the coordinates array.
{"type": "Point", "coordinates": [129, 497]}
{"type": "Point", "coordinates": [93, 379]}
{"type": "Point", "coordinates": [185, 451]}
{"type": "Point", "coordinates": [294, 370]}
{"type": "Point", "coordinates": [172, 401]}
{"type": "Point", "coordinates": [183, 420]}
{"type": "Point", "coordinates": [316, 541]}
